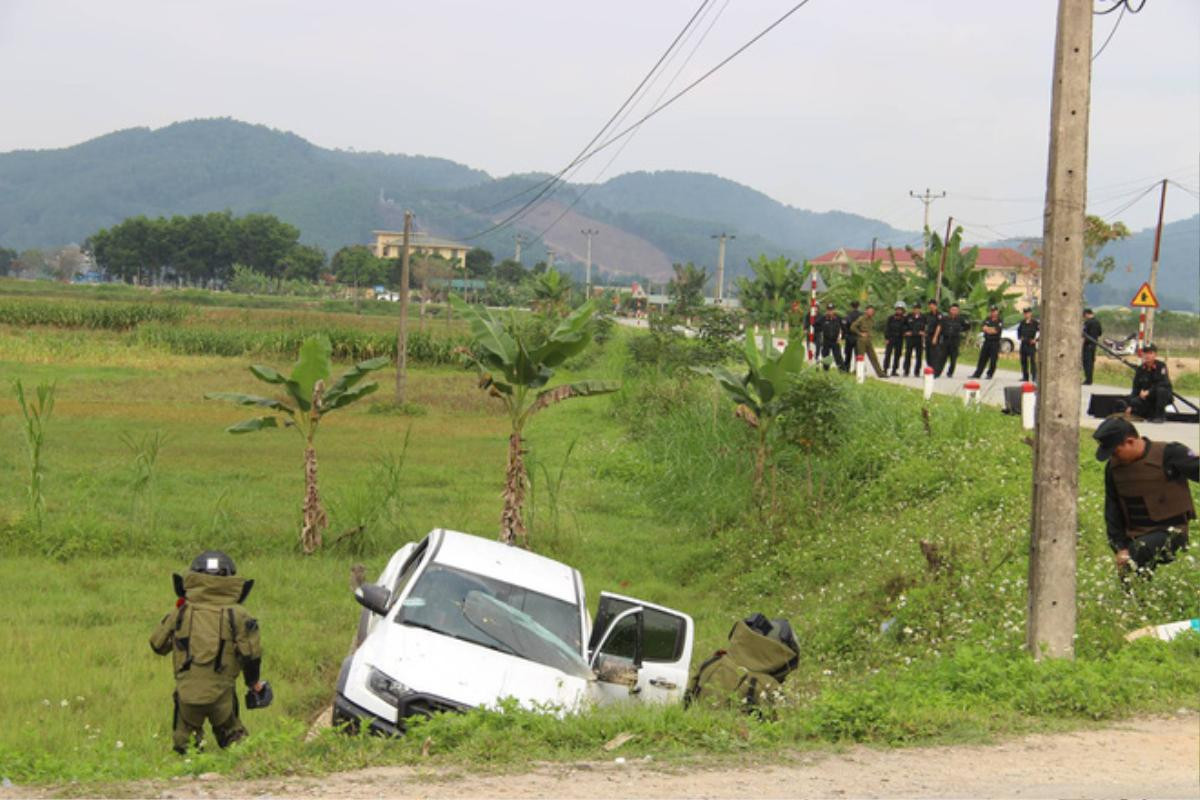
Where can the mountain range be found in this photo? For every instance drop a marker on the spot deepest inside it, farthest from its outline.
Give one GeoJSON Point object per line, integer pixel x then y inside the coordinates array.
{"type": "Point", "coordinates": [645, 220]}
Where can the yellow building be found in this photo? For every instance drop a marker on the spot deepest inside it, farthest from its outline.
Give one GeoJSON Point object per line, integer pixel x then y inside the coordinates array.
{"type": "Point", "coordinates": [390, 244]}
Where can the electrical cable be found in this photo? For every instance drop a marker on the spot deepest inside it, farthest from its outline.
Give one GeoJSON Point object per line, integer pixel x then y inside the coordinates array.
{"type": "Point", "coordinates": [1187, 189]}
{"type": "Point", "coordinates": [662, 107]}
{"type": "Point", "coordinates": [548, 182]}
{"type": "Point", "coordinates": [587, 188]}
{"type": "Point", "coordinates": [1113, 32]}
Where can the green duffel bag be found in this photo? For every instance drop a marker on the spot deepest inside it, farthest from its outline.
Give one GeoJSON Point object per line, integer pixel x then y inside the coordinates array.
{"type": "Point", "coordinates": [750, 671]}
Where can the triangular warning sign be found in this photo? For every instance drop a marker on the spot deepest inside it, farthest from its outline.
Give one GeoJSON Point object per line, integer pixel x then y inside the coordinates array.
{"type": "Point", "coordinates": [1144, 298]}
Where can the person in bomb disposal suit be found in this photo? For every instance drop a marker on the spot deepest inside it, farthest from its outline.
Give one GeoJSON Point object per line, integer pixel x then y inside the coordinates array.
{"type": "Point", "coordinates": [1147, 500]}
{"type": "Point", "coordinates": [212, 637]}
{"type": "Point", "coordinates": [851, 315]}
{"type": "Point", "coordinates": [829, 331]}
{"type": "Point", "coordinates": [1091, 327]}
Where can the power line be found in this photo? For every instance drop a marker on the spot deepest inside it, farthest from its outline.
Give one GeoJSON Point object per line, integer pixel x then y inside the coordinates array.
{"type": "Point", "coordinates": [1187, 189]}
{"type": "Point", "coordinates": [662, 107]}
{"type": "Point", "coordinates": [580, 195]}
{"type": "Point", "coordinates": [547, 183]}
{"type": "Point", "coordinates": [1113, 32]}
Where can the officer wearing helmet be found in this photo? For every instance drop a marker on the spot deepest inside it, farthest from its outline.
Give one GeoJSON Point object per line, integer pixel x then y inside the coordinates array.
{"type": "Point", "coordinates": [212, 637]}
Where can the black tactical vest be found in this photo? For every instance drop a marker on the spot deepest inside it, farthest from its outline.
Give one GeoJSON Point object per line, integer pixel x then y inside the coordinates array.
{"type": "Point", "coordinates": [1148, 500]}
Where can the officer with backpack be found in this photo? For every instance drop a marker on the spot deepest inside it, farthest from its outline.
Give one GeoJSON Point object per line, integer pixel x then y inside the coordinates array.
{"type": "Point", "coordinates": [212, 637]}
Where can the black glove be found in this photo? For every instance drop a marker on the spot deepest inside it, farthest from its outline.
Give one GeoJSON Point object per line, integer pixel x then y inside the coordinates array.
{"type": "Point", "coordinates": [259, 699]}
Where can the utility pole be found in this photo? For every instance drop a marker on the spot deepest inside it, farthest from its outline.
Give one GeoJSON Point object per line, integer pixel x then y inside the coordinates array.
{"type": "Point", "coordinates": [874, 239]}
{"type": "Point", "coordinates": [937, 292]}
{"type": "Point", "coordinates": [1050, 623]}
{"type": "Point", "coordinates": [549, 259]}
{"type": "Point", "coordinates": [519, 239]}
{"type": "Point", "coordinates": [721, 239]}
{"type": "Point", "coordinates": [587, 271]}
{"type": "Point", "coordinates": [1162, 204]}
{"type": "Point", "coordinates": [927, 199]}
{"type": "Point", "coordinates": [402, 334]}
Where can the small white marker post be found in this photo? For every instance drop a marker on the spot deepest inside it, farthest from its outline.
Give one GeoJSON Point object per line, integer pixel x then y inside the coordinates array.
{"type": "Point", "coordinates": [1028, 405]}
{"type": "Point", "coordinates": [860, 368]}
{"type": "Point", "coordinates": [928, 382]}
{"type": "Point", "coordinates": [971, 393]}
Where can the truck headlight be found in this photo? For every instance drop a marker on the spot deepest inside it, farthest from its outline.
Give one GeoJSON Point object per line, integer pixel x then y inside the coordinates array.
{"type": "Point", "coordinates": [385, 687]}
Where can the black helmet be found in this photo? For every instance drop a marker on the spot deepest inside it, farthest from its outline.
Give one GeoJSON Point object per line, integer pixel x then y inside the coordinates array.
{"type": "Point", "coordinates": [213, 562]}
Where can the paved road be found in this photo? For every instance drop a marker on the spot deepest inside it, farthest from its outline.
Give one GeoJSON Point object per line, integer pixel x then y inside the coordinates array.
{"type": "Point", "coordinates": [992, 393]}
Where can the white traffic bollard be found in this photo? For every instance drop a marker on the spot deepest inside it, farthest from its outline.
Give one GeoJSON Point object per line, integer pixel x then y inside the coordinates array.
{"type": "Point", "coordinates": [1028, 405]}
{"type": "Point", "coordinates": [970, 393]}
{"type": "Point", "coordinates": [928, 382]}
{"type": "Point", "coordinates": [860, 368]}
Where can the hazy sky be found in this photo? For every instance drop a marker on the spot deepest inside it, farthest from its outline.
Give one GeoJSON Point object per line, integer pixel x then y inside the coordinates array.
{"type": "Point", "coordinates": [848, 105]}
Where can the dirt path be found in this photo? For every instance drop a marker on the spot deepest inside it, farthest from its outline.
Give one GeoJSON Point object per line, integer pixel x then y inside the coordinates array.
{"type": "Point", "coordinates": [1142, 758]}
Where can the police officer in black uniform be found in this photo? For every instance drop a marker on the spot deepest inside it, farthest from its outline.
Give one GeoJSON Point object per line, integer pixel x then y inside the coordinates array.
{"type": "Point", "coordinates": [893, 336]}
{"type": "Point", "coordinates": [851, 339]}
{"type": "Point", "coordinates": [829, 331]}
{"type": "Point", "coordinates": [914, 339]}
{"type": "Point", "coordinates": [933, 350]}
{"type": "Point", "coordinates": [948, 337]}
{"type": "Point", "coordinates": [990, 350]}
{"type": "Point", "coordinates": [1091, 327]}
{"type": "Point", "coordinates": [1027, 334]}
{"type": "Point", "coordinates": [1147, 500]}
{"type": "Point", "coordinates": [1151, 387]}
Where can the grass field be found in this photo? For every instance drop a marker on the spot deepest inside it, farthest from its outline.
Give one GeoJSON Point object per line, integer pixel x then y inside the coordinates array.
{"type": "Point", "coordinates": [654, 501]}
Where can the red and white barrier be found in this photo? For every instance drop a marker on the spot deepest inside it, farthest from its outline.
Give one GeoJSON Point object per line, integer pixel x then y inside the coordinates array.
{"type": "Point", "coordinates": [1028, 405]}
{"type": "Point", "coordinates": [971, 393]}
{"type": "Point", "coordinates": [928, 382]}
{"type": "Point", "coordinates": [1141, 331]}
{"type": "Point", "coordinates": [860, 368]}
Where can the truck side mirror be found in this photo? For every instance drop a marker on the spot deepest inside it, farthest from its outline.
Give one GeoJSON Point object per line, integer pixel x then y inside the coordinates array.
{"type": "Point", "coordinates": [373, 597]}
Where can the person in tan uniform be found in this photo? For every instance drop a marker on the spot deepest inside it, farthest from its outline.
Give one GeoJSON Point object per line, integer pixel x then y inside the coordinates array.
{"type": "Point", "coordinates": [862, 328]}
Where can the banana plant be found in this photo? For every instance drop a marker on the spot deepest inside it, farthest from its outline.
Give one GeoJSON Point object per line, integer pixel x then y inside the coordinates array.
{"type": "Point", "coordinates": [759, 394]}
{"type": "Point", "coordinates": [307, 397]}
{"type": "Point", "coordinates": [517, 370]}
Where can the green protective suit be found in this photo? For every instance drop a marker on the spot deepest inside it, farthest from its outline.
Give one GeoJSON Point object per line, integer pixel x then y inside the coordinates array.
{"type": "Point", "coordinates": [212, 638]}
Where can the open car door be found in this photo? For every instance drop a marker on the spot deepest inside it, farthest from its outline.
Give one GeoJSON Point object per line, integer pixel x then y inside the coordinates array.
{"type": "Point", "coordinates": [640, 650]}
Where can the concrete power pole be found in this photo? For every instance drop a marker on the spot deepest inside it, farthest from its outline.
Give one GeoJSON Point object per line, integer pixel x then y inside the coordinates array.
{"type": "Point", "coordinates": [587, 270]}
{"type": "Point", "coordinates": [549, 259]}
{"type": "Point", "coordinates": [719, 294]}
{"type": "Point", "coordinates": [927, 199]}
{"type": "Point", "coordinates": [1050, 630]}
{"type": "Point", "coordinates": [519, 239]}
{"type": "Point", "coordinates": [402, 334]}
{"type": "Point", "coordinates": [1162, 204]}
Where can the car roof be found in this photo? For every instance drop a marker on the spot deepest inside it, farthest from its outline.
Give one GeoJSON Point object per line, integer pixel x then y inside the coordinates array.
{"type": "Point", "coordinates": [511, 564]}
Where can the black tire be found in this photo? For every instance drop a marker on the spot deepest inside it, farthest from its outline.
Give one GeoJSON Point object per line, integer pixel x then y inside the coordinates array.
{"type": "Point", "coordinates": [1006, 346]}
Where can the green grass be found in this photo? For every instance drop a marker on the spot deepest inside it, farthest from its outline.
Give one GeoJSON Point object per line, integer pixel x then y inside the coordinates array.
{"type": "Point", "coordinates": [653, 503]}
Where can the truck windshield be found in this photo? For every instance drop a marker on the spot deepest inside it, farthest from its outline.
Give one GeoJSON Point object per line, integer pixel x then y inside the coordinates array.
{"type": "Point", "coordinates": [439, 599]}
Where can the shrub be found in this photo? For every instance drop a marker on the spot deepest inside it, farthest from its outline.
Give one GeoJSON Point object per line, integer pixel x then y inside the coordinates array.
{"type": "Point", "coordinates": [112, 316]}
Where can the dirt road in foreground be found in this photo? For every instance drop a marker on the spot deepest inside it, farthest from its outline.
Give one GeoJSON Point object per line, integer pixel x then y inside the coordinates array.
{"type": "Point", "coordinates": [1142, 758]}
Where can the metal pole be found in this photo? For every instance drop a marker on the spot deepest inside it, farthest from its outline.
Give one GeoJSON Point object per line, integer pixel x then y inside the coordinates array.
{"type": "Point", "coordinates": [1050, 630]}
{"type": "Point", "coordinates": [927, 199]}
{"type": "Point", "coordinates": [517, 256]}
{"type": "Point", "coordinates": [402, 334]}
{"type": "Point", "coordinates": [1162, 202]}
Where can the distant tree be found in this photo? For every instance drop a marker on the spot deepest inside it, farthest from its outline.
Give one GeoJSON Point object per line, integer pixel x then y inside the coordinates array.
{"type": "Point", "coordinates": [963, 281]}
{"type": "Point", "coordinates": [31, 263]}
{"type": "Point", "coordinates": [479, 262]}
{"type": "Point", "coordinates": [1096, 235]}
{"type": "Point", "coordinates": [306, 262]}
{"type": "Point", "coordinates": [263, 242]}
{"type": "Point", "coordinates": [687, 287]}
{"type": "Point", "coordinates": [355, 265]}
{"type": "Point", "coordinates": [552, 293]}
{"type": "Point", "coordinates": [64, 263]}
{"type": "Point", "coordinates": [7, 259]}
{"type": "Point", "coordinates": [776, 285]}
{"type": "Point", "coordinates": [509, 271]}
{"type": "Point", "coordinates": [867, 283]}
{"type": "Point", "coordinates": [539, 268]}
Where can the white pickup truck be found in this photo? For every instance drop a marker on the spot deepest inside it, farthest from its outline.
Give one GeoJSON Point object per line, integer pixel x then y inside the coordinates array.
{"type": "Point", "coordinates": [457, 621]}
